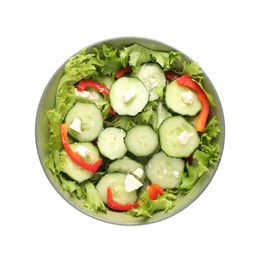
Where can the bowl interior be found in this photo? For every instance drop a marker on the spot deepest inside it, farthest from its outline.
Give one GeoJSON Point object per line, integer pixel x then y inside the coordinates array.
{"type": "Point", "coordinates": [42, 136]}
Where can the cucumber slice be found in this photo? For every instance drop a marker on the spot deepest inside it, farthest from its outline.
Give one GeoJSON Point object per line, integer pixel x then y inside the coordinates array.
{"type": "Point", "coordinates": [128, 96]}
{"type": "Point", "coordinates": [141, 140]}
{"type": "Point", "coordinates": [117, 183]}
{"type": "Point", "coordinates": [85, 121]}
{"type": "Point", "coordinates": [182, 100]}
{"type": "Point", "coordinates": [127, 165]}
{"type": "Point", "coordinates": [76, 172]}
{"type": "Point", "coordinates": [164, 171]}
{"type": "Point", "coordinates": [178, 138]}
{"type": "Point", "coordinates": [111, 143]}
{"type": "Point", "coordinates": [152, 75]}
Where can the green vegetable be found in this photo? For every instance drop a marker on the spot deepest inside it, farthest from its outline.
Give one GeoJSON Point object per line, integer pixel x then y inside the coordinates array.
{"type": "Point", "coordinates": [136, 55]}
{"type": "Point", "coordinates": [123, 122]}
{"type": "Point", "coordinates": [205, 156]}
{"type": "Point", "coordinates": [147, 207]}
{"type": "Point", "coordinates": [72, 187]}
{"type": "Point", "coordinates": [93, 200]}
{"type": "Point", "coordinates": [194, 171]}
{"type": "Point", "coordinates": [207, 144]}
{"type": "Point", "coordinates": [153, 114]}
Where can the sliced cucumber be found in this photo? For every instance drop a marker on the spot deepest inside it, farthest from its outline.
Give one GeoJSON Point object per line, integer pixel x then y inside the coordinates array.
{"type": "Point", "coordinates": [127, 165]}
{"type": "Point", "coordinates": [152, 75]}
{"type": "Point", "coordinates": [164, 171]}
{"type": "Point", "coordinates": [128, 96]}
{"type": "Point", "coordinates": [178, 138]}
{"type": "Point", "coordinates": [182, 100]}
{"type": "Point", "coordinates": [141, 140]}
{"type": "Point", "coordinates": [111, 143]}
{"type": "Point", "coordinates": [85, 121]}
{"type": "Point", "coordinates": [76, 172]}
{"type": "Point", "coordinates": [117, 183]}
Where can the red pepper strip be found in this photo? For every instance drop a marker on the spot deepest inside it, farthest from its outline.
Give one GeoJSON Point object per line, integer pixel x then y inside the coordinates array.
{"type": "Point", "coordinates": [120, 73]}
{"type": "Point", "coordinates": [187, 81]}
{"type": "Point", "coordinates": [189, 159]}
{"type": "Point", "coordinates": [84, 83]}
{"type": "Point", "coordinates": [75, 157]}
{"type": "Point", "coordinates": [154, 191]}
{"type": "Point", "coordinates": [111, 111]}
{"type": "Point", "coordinates": [170, 75]}
{"type": "Point", "coordinates": [118, 206]}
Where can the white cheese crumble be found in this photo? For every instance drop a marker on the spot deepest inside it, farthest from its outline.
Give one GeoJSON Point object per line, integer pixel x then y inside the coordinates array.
{"type": "Point", "coordinates": [153, 82]}
{"type": "Point", "coordinates": [187, 97]}
{"type": "Point", "coordinates": [131, 183]}
{"type": "Point", "coordinates": [82, 151]}
{"type": "Point", "coordinates": [176, 174]}
{"type": "Point", "coordinates": [165, 171]}
{"type": "Point", "coordinates": [86, 94]}
{"type": "Point", "coordinates": [184, 137]}
{"type": "Point", "coordinates": [129, 94]}
{"type": "Point", "coordinates": [138, 172]}
{"type": "Point", "coordinates": [76, 125]}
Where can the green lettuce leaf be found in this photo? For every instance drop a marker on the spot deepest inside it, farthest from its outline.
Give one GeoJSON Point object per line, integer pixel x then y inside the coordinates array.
{"type": "Point", "coordinates": [207, 155]}
{"type": "Point", "coordinates": [153, 114]}
{"type": "Point", "coordinates": [123, 122]}
{"type": "Point", "coordinates": [136, 55]}
{"type": "Point", "coordinates": [72, 187]}
{"type": "Point", "coordinates": [93, 200]}
{"type": "Point", "coordinates": [208, 144]}
{"type": "Point", "coordinates": [193, 69]}
{"type": "Point", "coordinates": [158, 117]}
{"type": "Point", "coordinates": [108, 60]}
{"type": "Point", "coordinates": [194, 171]}
{"type": "Point", "coordinates": [147, 207]}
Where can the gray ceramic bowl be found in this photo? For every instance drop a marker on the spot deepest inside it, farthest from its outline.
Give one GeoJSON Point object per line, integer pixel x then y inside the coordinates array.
{"type": "Point", "coordinates": [42, 136]}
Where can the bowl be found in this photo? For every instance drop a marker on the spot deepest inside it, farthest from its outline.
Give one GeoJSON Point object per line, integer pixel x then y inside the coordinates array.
{"type": "Point", "coordinates": [47, 102]}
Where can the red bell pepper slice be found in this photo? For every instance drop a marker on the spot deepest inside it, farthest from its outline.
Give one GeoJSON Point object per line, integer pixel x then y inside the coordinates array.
{"type": "Point", "coordinates": [170, 75]}
{"type": "Point", "coordinates": [187, 81]}
{"type": "Point", "coordinates": [118, 206]}
{"type": "Point", "coordinates": [120, 73]}
{"type": "Point", "coordinates": [75, 157]}
{"type": "Point", "coordinates": [154, 191]}
{"type": "Point", "coordinates": [84, 83]}
{"type": "Point", "coordinates": [111, 111]}
{"type": "Point", "coordinates": [189, 159]}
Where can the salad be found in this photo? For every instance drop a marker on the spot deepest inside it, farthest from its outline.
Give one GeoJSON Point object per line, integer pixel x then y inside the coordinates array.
{"type": "Point", "coordinates": [131, 130]}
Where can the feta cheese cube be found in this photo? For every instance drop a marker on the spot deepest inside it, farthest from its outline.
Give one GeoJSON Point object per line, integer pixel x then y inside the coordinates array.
{"type": "Point", "coordinates": [82, 151]}
{"type": "Point", "coordinates": [76, 125]}
{"type": "Point", "coordinates": [129, 94]}
{"type": "Point", "coordinates": [138, 172]}
{"type": "Point", "coordinates": [82, 94]}
{"type": "Point", "coordinates": [184, 137]}
{"type": "Point", "coordinates": [90, 95]}
{"type": "Point", "coordinates": [131, 183]}
{"type": "Point", "coordinates": [176, 174]}
{"type": "Point", "coordinates": [153, 82]}
{"type": "Point", "coordinates": [187, 97]}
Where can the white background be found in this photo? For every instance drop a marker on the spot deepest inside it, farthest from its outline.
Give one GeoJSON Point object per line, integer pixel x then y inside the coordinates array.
{"type": "Point", "coordinates": [37, 37]}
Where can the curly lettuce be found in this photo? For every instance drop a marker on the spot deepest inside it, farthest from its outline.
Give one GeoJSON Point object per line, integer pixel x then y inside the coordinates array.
{"type": "Point", "coordinates": [136, 55]}
{"type": "Point", "coordinates": [147, 207]}
{"type": "Point", "coordinates": [93, 200]}
{"type": "Point", "coordinates": [207, 155]}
